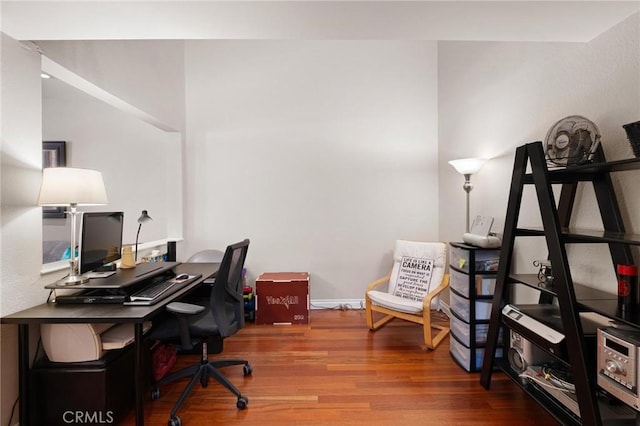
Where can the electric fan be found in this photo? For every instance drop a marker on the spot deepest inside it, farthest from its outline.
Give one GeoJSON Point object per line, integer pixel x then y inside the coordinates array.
{"type": "Point", "coordinates": [572, 140]}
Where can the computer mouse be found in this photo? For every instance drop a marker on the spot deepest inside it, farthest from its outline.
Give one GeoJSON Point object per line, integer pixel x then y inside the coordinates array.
{"type": "Point", "coordinates": [182, 277]}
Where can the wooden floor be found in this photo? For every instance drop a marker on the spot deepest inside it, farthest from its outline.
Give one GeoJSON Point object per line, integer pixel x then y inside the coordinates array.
{"type": "Point", "coordinates": [335, 371]}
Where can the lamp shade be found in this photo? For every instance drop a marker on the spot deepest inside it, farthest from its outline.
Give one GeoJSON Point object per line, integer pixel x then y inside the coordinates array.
{"type": "Point", "coordinates": [64, 186]}
{"type": "Point", "coordinates": [468, 166]}
{"type": "Point", "coordinates": [144, 217]}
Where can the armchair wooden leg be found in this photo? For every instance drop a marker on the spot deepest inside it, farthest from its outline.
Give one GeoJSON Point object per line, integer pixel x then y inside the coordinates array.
{"type": "Point", "coordinates": [382, 321]}
{"type": "Point", "coordinates": [428, 340]}
{"type": "Point", "coordinates": [368, 312]}
{"type": "Point", "coordinates": [432, 341]}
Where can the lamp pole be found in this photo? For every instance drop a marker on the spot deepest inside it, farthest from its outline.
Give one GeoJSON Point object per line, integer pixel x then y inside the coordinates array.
{"type": "Point", "coordinates": [74, 276]}
{"type": "Point", "coordinates": [137, 235]}
{"type": "Point", "coordinates": [468, 186]}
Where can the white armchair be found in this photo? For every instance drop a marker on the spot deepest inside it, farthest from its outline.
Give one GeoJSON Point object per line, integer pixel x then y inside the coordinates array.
{"type": "Point", "coordinates": [414, 284]}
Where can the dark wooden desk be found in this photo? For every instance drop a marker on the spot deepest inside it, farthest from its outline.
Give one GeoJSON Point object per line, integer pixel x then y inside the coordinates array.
{"type": "Point", "coordinates": [51, 313]}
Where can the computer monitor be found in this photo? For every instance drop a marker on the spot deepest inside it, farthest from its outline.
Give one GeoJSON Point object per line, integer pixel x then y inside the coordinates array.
{"type": "Point", "coordinates": [100, 239]}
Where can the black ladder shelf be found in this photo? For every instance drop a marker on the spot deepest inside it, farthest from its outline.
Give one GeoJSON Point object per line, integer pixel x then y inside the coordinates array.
{"type": "Point", "coordinates": [571, 298]}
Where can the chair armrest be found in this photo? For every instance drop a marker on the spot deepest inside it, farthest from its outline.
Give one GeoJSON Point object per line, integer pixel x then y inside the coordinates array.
{"type": "Point", "coordinates": [379, 282]}
{"type": "Point", "coordinates": [184, 308]}
{"type": "Point", "coordinates": [426, 302]}
{"type": "Point", "coordinates": [181, 310]}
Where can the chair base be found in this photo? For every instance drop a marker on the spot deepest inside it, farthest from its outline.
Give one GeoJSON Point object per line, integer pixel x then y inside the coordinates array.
{"type": "Point", "coordinates": [201, 373]}
{"type": "Point", "coordinates": [431, 340]}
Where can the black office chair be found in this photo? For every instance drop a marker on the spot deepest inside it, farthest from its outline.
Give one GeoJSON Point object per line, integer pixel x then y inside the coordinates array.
{"type": "Point", "coordinates": [194, 324]}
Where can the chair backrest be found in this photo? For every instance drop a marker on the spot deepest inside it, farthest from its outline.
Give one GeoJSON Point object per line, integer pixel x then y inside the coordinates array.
{"type": "Point", "coordinates": [418, 268]}
{"type": "Point", "coordinates": [227, 302]}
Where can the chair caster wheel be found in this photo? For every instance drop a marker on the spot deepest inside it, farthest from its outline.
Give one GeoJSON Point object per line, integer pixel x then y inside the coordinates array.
{"type": "Point", "coordinates": [242, 402]}
{"type": "Point", "coordinates": [247, 369]}
{"type": "Point", "coordinates": [175, 421]}
{"type": "Point", "coordinates": [204, 381]}
{"type": "Point", "coordinates": [155, 393]}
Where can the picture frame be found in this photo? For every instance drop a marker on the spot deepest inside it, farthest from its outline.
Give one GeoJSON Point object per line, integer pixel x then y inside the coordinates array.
{"type": "Point", "coordinates": [54, 154]}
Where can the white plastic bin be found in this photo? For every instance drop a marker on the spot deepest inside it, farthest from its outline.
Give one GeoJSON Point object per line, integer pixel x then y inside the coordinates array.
{"type": "Point", "coordinates": [459, 258]}
{"type": "Point", "coordinates": [459, 282]}
{"type": "Point", "coordinates": [485, 285]}
{"type": "Point", "coordinates": [462, 354]}
{"type": "Point", "coordinates": [462, 331]}
{"type": "Point", "coordinates": [487, 260]}
{"type": "Point", "coordinates": [461, 307]}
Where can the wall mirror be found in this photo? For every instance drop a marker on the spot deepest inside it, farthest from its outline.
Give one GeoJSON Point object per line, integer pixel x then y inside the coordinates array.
{"type": "Point", "coordinates": [140, 165]}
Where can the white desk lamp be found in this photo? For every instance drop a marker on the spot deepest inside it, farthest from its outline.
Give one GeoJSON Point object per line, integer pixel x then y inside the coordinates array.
{"type": "Point", "coordinates": [467, 167]}
{"type": "Point", "coordinates": [70, 187]}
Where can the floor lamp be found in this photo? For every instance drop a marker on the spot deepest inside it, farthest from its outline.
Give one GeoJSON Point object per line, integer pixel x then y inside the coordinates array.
{"type": "Point", "coordinates": [467, 167]}
{"type": "Point", "coordinates": [70, 187]}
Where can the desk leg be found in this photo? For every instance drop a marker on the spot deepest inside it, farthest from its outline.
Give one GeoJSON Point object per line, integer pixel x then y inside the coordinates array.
{"type": "Point", "coordinates": [23, 372]}
{"type": "Point", "coordinates": [139, 373]}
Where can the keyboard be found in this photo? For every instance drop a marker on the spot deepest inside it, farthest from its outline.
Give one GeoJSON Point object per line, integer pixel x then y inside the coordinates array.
{"type": "Point", "coordinates": [159, 288]}
{"type": "Point", "coordinates": [154, 290]}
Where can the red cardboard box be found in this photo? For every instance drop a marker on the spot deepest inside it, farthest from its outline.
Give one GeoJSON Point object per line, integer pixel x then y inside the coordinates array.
{"type": "Point", "coordinates": [282, 298]}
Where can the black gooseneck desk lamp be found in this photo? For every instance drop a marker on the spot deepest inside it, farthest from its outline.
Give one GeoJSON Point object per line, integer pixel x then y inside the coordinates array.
{"type": "Point", "coordinates": [144, 217]}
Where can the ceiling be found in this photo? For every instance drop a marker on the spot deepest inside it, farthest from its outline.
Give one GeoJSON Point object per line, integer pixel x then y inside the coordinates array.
{"type": "Point", "coordinates": [570, 21]}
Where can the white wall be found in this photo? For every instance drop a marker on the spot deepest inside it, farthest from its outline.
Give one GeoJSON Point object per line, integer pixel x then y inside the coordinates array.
{"type": "Point", "coordinates": [322, 153]}
{"type": "Point", "coordinates": [494, 97]}
{"type": "Point", "coordinates": [20, 164]}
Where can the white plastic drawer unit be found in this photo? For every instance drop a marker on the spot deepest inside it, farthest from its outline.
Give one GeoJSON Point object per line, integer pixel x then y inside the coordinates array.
{"type": "Point", "coordinates": [485, 260]}
{"type": "Point", "coordinates": [462, 307]}
{"type": "Point", "coordinates": [484, 285]}
{"type": "Point", "coordinates": [462, 331]}
{"type": "Point", "coordinates": [465, 356]}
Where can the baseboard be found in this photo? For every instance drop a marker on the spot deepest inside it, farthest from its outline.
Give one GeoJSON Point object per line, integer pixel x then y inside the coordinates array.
{"type": "Point", "coordinates": [346, 304]}
{"type": "Point", "coordinates": [342, 304]}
